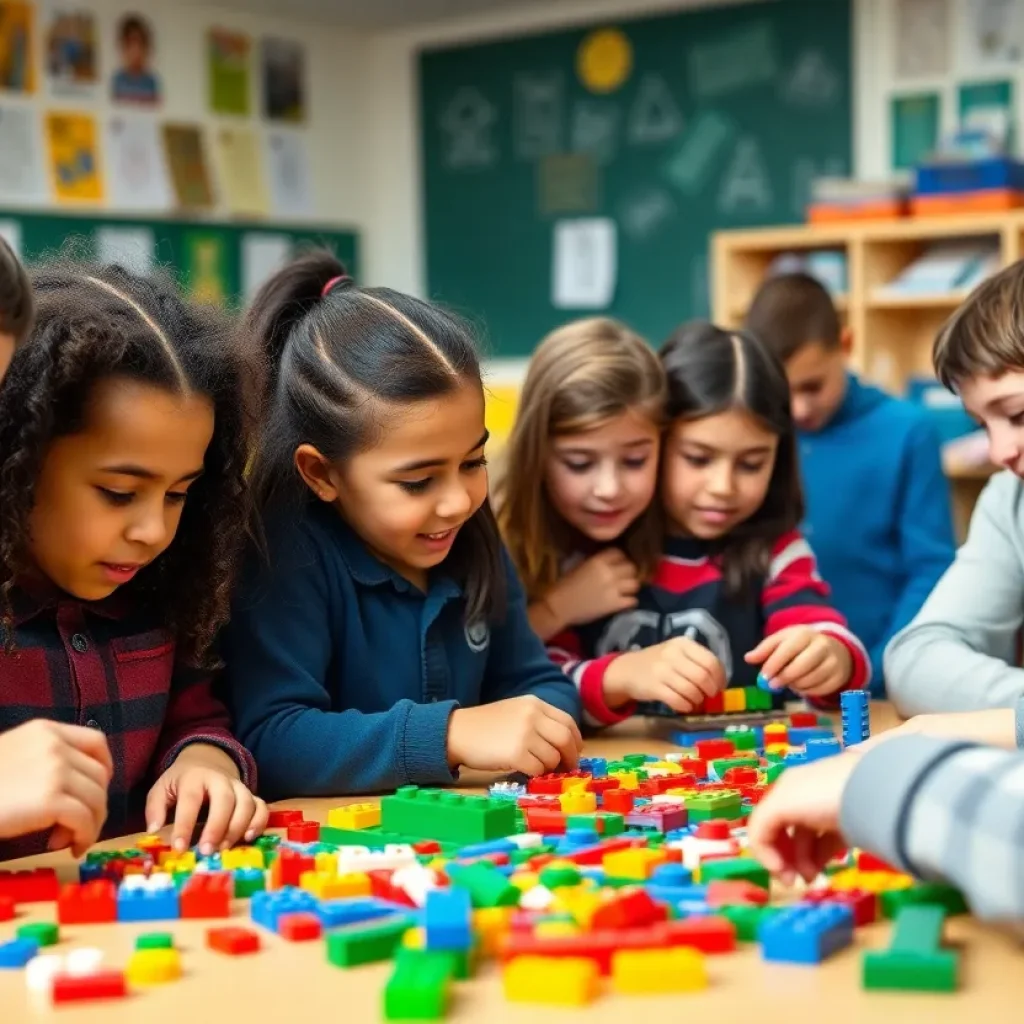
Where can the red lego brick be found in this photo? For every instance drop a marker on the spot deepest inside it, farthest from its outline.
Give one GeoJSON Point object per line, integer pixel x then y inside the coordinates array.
{"type": "Point", "coordinates": [37, 886]}
{"type": "Point", "coordinates": [715, 828]}
{"type": "Point", "coordinates": [208, 895]}
{"type": "Point", "coordinates": [595, 854]}
{"type": "Point", "coordinates": [553, 782]}
{"type": "Point", "coordinates": [602, 785]}
{"type": "Point", "coordinates": [550, 822]}
{"type": "Point", "coordinates": [863, 905]}
{"type": "Point", "coordinates": [869, 862]}
{"type": "Point", "coordinates": [708, 934]}
{"type": "Point", "coordinates": [711, 749]}
{"type": "Point", "coordinates": [427, 846]}
{"type": "Point", "coordinates": [288, 868]}
{"type": "Point", "coordinates": [299, 927]}
{"type": "Point", "coordinates": [631, 910]}
{"type": "Point", "coordinates": [729, 892]}
{"type": "Point", "coordinates": [381, 887]}
{"type": "Point", "coordinates": [233, 941]}
{"type": "Point", "coordinates": [539, 800]}
{"type": "Point", "coordinates": [803, 719]}
{"type": "Point", "coordinates": [282, 819]}
{"type": "Point", "coordinates": [92, 903]}
{"type": "Point", "coordinates": [304, 832]}
{"type": "Point", "coordinates": [697, 765]}
{"type": "Point", "coordinates": [740, 776]}
{"type": "Point", "coordinates": [713, 705]}
{"type": "Point", "coordinates": [103, 984]}
{"type": "Point", "coordinates": [6, 908]}
{"type": "Point", "coordinates": [618, 801]}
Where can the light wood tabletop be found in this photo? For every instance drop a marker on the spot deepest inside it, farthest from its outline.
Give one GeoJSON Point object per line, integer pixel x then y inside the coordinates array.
{"type": "Point", "coordinates": [291, 982]}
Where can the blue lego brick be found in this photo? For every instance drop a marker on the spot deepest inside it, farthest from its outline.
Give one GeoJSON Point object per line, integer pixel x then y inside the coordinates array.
{"type": "Point", "coordinates": [856, 717]}
{"type": "Point", "coordinates": [688, 739]}
{"type": "Point", "coordinates": [794, 758]}
{"type": "Point", "coordinates": [148, 904]}
{"type": "Point", "coordinates": [815, 750]}
{"type": "Point", "coordinates": [806, 933]}
{"type": "Point", "coordinates": [337, 913]}
{"type": "Point", "coordinates": [90, 871]}
{"type": "Point", "coordinates": [677, 894]}
{"type": "Point", "coordinates": [482, 849]}
{"type": "Point", "coordinates": [576, 839]}
{"type": "Point", "coordinates": [506, 791]}
{"type": "Point", "coordinates": [798, 735]}
{"type": "Point", "coordinates": [447, 918]}
{"type": "Point", "coordinates": [597, 766]}
{"type": "Point", "coordinates": [266, 908]}
{"type": "Point", "coordinates": [17, 953]}
{"type": "Point", "coordinates": [671, 874]}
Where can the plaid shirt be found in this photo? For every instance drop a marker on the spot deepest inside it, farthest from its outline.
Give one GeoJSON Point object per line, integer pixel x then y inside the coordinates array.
{"type": "Point", "coordinates": [103, 665]}
{"type": "Point", "coordinates": [944, 809]}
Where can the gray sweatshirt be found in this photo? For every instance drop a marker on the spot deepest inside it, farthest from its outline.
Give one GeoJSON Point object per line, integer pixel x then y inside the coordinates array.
{"type": "Point", "coordinates": [959, 652]}
{"type": "Point", "coordinates": [944, 810]}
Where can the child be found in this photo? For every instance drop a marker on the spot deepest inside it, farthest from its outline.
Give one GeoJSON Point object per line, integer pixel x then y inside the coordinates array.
{"type": "Point", "coordinates": [878, 512]}
{"type": "Point", "coordinates": [383, 639]}
{"type": "Point", "coordinates": [122, 451]}
{"type": "Point", "coordinates": [575, 506]}
{"type": "Point", "coordinates": [16, 306]}
{"type": "Point", "coordinates": [961, 652]}
{"type": "Point", "coordinates": [736, 589]}
{"type": "Point", "coordinates": [938, 808]}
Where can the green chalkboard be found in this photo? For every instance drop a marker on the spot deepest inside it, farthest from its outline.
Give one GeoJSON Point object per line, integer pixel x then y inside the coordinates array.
{"type": "Point", "coordinates": [209, 259]}
{"type": "Point", "coordinates": [672, 126]}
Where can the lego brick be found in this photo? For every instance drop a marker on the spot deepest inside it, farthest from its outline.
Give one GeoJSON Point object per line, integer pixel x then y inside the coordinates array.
{"type": "Point", "coordinates": [266, 908]}
{"type": "Point", "coordinates": [6, 908]}
{"type": "Point", "coordinates": [154, 940]}
{"type": "Point", "coordinates": [642, 972]}
{"type": "Point", "coordinates": [303, 832]}
{"type": "Point", "coordinates": [806, 933]}
{"type": "Point", "coordinates": [747, 919]}
{"type": "Point", "coordinates": [42, 933]}
{"type": "Point", "coordinates": [39, 885]}
{"type": "Point", "coordinates": [153, 966]}
{"type": "Point", "coordinates": [436, 814]}
{"type": "Point", "coordinates": [734, 699]}
{"type": "Point", "coordinates": [757, 699]}
{"type": "Point", "coordinates": [914, 961]}
{"type": "Point", "coordinates": [148, 899]}
{"type": "Point", "coordinates": [863, 905]}
{"type": "Point", "coordinates": [89, 903]}
{"type": "Point", "coordinates": [233, 941]}
{"type": "Point", "coordinates": [352, 947]}
{"type": "Point", "coordinates": [816, 750]}
{"type": "Point", "coordinates": [207, 895]}
{"type": "Point", "coordinates": [284, 818]}
{"type": "Point", "coordinates": [735, 869]}
{"type": "Point", "coordinates": [355, 816]}
{"type": "Point", "coordinates": [571, 981]}
{"type": "Point", "coordinates": [299, 927]}
{"type": "Point", "coordinates": [935, 893]}
{"type": "Point", "coordinates": [103, 984]}
{"type": "Point", "coordinates": [17, 952]}
{"type": "Point", "coordinates": [339, 913]}
{"type": "Point", "coordinates": [418, 988]}
{"type": "Point", "coordinates": [855, 714]}
{"type": "Point", "coordinates": [249, 881]}
{"type": "Point", "coordinates": [447, 919]}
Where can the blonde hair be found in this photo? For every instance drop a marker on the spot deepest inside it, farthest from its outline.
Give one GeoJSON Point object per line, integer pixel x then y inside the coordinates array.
{"type": "Point", "coordinates": [580, 376]}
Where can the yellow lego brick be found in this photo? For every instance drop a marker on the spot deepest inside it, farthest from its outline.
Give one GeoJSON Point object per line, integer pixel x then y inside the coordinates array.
{"type": "Point", "coordinates": [665, 767]}
{"type": "Point", "coordinates": [354, 816]}
{"type": "Point", "coordinates": [148, 842]}
{"type": "Point", "coordinates": [414, 938]}
{"type": "Point", "coordinates": [775, 731]}
{"type": "Point", "coordinates": [242, 857]}
{"type": "Point", "coordinates": [638, 864]}
{"type": "Point", "coordinates": [524, 880]}
{"type": "Point", "coordinates": [641, 971]}
{"type": "Point", "coordinates": [153, 966]}
{"type": "Point", "coordinates": [567, 981]}
{"type": "Point", "coordinates": [491, 925]}
{"type": "Point", "coordinates": [627, 780]}
{"type": "Point", "coordinates": [869, 881]}
{"type": "Point", "coordinates": [326, 885]}
{"type": "Point", "coordinates": [777, 748]}
{"type": "Point", "coordinates": [734, 700]}
{"type": "Point", "coordinates": [173, 863]}
{"type": "Point", "coordinates": [326, 863]}
{"type": "Point", "coordinates": [580, 902]}
{"type": "Point", "coordinates": [134, 869]}
{"type": "Point", "coordinates": [578, 801]}
{"type": "Point", "coordinates": [570, 784]}
{"type": "Point", "coordinates": [556, 929]}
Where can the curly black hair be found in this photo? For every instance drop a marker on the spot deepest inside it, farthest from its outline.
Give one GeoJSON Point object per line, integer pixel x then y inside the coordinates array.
{"type": "Point", "coordinates": [95, 322]}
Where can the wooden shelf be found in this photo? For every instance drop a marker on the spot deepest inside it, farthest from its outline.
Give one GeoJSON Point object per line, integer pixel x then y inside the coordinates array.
{"type": "Point", "coordinates": [939, 300]}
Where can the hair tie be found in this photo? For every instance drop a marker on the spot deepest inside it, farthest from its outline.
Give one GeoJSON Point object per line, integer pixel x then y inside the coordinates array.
{"type": "Point", "coordinates": [333, 281]}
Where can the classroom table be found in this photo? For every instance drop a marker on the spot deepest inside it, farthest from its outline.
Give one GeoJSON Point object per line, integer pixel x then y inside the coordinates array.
{"type": "Point", "coordinates": [294, 982]}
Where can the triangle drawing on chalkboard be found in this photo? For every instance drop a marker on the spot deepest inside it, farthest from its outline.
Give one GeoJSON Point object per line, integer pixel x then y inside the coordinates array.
{"type": "Point", "coordinates": [655, 116]}
{"type": "Point", "coordinates": [812, 82]}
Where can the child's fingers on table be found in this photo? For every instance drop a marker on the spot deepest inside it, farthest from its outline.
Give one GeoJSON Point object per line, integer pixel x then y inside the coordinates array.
{"type": "Point", "coordinates": [809, 660]}
{"type": "Point", "coordinates": [558, 715]}
{"type": "Point", "coordinates": [222, 798]}
{"type": "Point", "coordinates": [259, 821]}
{"type": "Point", "coordinates": [702, 679]}
{"type": "Point", "coordinates": [544, 755]}
{"type": "Point", "coordinates": [559, 736]}
{"type": "Point", "coordinates": [79, 821]}
{"type": "Point", "coordinates": [241, 817]}
{"type": "Point", "coordinates": [680, 695]}
{"type": "Point", "coordinates": [190, 798]}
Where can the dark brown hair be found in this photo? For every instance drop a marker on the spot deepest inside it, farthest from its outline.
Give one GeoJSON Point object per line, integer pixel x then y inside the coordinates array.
{"type": "Point", "coordinates": [711, 370]}
{"type": "Point", "coordinates": [793, 310]}
{"type": "Point", "coordinates": [93, 323]}
{"type": "Point", "coordinates": [986, 334]}
{"type": "Point", "coordinates": [16, 304]}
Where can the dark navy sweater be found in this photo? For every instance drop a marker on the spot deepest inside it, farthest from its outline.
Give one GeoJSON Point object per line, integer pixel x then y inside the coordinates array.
{"type": "Point", "coordinates": [342, 675]}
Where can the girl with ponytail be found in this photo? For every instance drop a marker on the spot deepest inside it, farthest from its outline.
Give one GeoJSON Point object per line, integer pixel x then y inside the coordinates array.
{"type": "Point", "coordinates": [380, 634]}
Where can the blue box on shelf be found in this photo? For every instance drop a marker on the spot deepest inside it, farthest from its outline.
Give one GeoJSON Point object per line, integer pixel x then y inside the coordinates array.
{"type": "Point", "coordinates": [1000, 172]}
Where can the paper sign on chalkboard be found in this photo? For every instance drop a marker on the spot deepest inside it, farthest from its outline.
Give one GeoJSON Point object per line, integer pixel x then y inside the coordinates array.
{"type": "Point", "coordinates": [585, 263]}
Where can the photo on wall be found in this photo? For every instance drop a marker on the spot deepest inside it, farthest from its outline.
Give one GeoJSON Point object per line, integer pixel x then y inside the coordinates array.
{"type": "Point", "coordinates": [283, 73]}
{"type": "Point", "coordinates": [17, 46]}
{"type": "Point", "coordinates": [71, 50]}
{"type": "Point", "coordinates": [135, 79]}
{"type": "Point", "coordinates": [74, 157]}
{"type": "Point", "coordinates": [228, 58]}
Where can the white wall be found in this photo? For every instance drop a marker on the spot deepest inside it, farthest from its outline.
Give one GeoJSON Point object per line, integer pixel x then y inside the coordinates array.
{"type": "Point", "coordinates": [335, 76]}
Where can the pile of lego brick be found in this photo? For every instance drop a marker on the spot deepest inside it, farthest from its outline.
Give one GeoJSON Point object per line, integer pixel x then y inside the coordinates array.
{"type": "Point", "coordinates": [623, 875]}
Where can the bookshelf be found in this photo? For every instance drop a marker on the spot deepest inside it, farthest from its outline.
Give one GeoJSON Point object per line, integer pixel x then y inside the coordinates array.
{"type": "Point", "coordinates": [892, 334]}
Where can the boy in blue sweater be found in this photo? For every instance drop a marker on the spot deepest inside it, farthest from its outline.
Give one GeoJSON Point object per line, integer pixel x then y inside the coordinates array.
{"type": "Point", "coordinates": [878, 513]}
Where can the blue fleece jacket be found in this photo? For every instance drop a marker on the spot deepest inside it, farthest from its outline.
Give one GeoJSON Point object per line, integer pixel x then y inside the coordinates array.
{"type": "Point", "coordinates": [342, 675]}
{"type": "Point", "coordinates": [878, 512]}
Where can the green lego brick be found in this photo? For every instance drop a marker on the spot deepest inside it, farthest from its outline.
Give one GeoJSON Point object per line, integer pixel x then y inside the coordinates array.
{"type": "Point", "coordinates": [246, 885]}
{"type": "Point", "coordinates": [462, 963]}
{"type": "Point", "coordinates": [742, 737]}
{"type": "Point", "coordinates": [636, 760]}
{"type": "Point", "coordinates": [375, 839]}
{"type": "Point", "coordinates": [155, 940]}
{"type": "Point", "coordinates": [559, 878]}
{"type": "Point", "coordinates": [418, 988]}
{"type": "Point", "coordinates": [722, 764]}
{"type": "Point", "coordinates": [43, 933]}
{"type": "Point", "coordinates": [747, 918]}
{"type": "Point", "coordinates": [773, 771]}
{"type": "Point", "coordinates": [924, 892]}
{"type": "Point", "coordinates": [735, 869]}
{"type": "Point", "coordinates": [268, 841]}
{"type": "Point", "coordinates": [757, 699]}
{"type": "Point", "coordinates": [605, 823]}
{"type": "Point", "coordinates": [486, 886]}
{"type": "Point", "coordinates": [352, 947]}
{"type": "Point", "coordinates": [914, 961]}
{"type": "Point", "coordinates": [726, 803]}
{"type": "Point", "coordinates": [436, 814]}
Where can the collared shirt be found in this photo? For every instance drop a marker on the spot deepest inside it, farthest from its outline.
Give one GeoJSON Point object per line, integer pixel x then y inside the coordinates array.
{"type": "Point", "coordinates": [103, 665]}
{"type": "Point", "coordinates": [342, 675]}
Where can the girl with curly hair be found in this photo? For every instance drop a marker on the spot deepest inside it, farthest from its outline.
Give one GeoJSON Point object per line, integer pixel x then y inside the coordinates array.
{"type": "Point", "coordinates": [122, 453]}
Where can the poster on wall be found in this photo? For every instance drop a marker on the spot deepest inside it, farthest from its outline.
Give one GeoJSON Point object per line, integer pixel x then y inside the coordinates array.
{"type": "Point", "coordinates": [188, 166]}
{"type": "Point", "coordinates": [22, 166]}
{"type": "Point", "coordinates": [283, 73]}
{"type": "Point", "coordinates": [74, 157]}
{"type": "Point", "coordinates": [991, 32]}
{"type": "Point", "coordinates": [922, 38]}
{"type": "Point", "coordinates": [136, 168]}
{"type": "Point", "coordinates": [17, 46]}
{"type": "Point", "coordinates": [135, 79]}
{"type": "Point", "coordinates": [206, 267]}
{"type": "Point", "coordinates": [989, 107]}
{"type": "Point", "coordinates": [288, 173]}
{"type": "Point", "coordinates": [228, 71]}
{"type": "Point", "coordinates": [915, 128]}
{"type": "Point", "coordinates": [240, 167]}
{"type": "Point", "coordinates": [71, 50]}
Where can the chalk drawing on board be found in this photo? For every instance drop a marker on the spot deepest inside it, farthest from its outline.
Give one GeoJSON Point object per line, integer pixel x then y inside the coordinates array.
{"type": "Point", "coordinates": [700, 286]}
{"type": "Point", "coordinates": [467, 122]}
{"type": "Point", "coordinates": [746, 187]}
{"type": "Point", "coordinates": [642, 214]}
{"type": "Point", "coordinates": [539, 114]}
{"type": "Point", "coordinates": [743, 59]}
{"type": "Point", "coordinates": [811, 83]}
{"type": "Point", "coordinates": [595, 129]}
{"type": "Point", "coordinates": [567, 183]}
{"type": "Point", "coordinates": [654, 116]}
{"type": "Point", "coordinates": [703, 146]}
{"type": "Point", "coordinates": [805, 170]}
{"type": "Point", "coordinates": [584, 264]}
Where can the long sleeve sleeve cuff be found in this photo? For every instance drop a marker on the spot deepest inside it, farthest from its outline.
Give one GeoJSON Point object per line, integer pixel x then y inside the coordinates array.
{"type": "Point", "coordinates": [424, 744]}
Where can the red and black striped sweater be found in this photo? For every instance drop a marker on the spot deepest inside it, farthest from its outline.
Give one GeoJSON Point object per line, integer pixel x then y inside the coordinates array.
{"type": "Point", "coordinates": [686, 596]}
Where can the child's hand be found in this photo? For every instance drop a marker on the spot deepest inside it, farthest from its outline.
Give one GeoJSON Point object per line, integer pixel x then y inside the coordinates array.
{"type": "Point", "coordinates": [54, 775]}
{"type": "Point", "coordinates": [521, 734]}
{"type": "Point", "coordinates": [203, 773]}
{"type": "Point", "coordinates": [679, 672]}
{"type": "Point", "coordinates": [604, 584]}
{"type": "Point", "coordinates": [995, 727]}
{"type": "Point", "coordinates": [803, 659]}
{"type": "Point", "coordinates": [794, 830]}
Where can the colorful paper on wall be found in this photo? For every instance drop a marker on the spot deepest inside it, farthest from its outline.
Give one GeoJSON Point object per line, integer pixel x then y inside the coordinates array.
{"type": "Point", "coordinates": [915, 128]}
{"type": "Point", "coordinates": [229, 63]}
{"type": "Point", "coordinates": [240, 164]}
{"type": "Point", "coordinates": [283, 73]}
{"type": "Point", "coordinates": [206, 267]}
{"type": "Point", "coordinates": [74, 157]}
{"type": "Point", "coordinates": [288, 173]}
{"type": "Point", "coordinates": [136, 80]}
{"type": "Point", "coordinates": [136, 167]}
{"type": "Point", "coordinates": [186, 159]}
{"type": "Point", "coordinates": [17, 46]}
{"type": "Point", "coordinates": [584, 263]}
{"type": "Point", "coordinates": [23, 177]}
{"type": "Point", "coordinates": [70, 50]}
